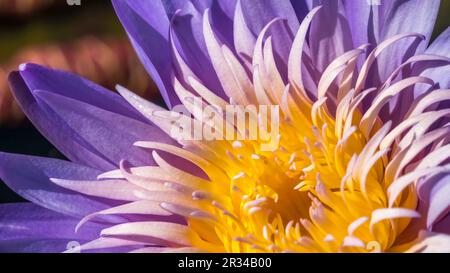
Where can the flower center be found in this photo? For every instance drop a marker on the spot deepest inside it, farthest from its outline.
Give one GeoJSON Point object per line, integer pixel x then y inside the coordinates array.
{"type": "Point", "coordinates": [324, 188]}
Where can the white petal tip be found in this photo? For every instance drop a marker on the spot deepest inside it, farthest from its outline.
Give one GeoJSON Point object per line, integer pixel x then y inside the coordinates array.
{"type": "Point", "coordinates": [23, 67]}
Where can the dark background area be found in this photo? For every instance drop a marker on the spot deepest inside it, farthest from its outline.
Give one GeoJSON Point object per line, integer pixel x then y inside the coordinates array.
{"type": "Point", "coordinates": [57, 22]}
{"type": "Point", "coordinates": [64, 23]}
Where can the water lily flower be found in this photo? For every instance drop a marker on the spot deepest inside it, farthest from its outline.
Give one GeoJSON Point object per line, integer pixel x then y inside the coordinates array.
{"type": "Point", "coordinates": [361, 165]}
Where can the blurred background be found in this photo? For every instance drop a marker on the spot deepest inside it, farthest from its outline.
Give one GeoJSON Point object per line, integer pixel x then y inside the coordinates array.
{"type": "Point", "coordinates": [86, 39]}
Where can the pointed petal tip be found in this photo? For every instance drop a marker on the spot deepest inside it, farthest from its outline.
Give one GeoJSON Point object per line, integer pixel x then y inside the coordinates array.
{"type": "Point", "coordinates": [139, 144]}
{"type": "Point", "coordinates": [30, 67]}
{"type": "Point", "coordinates": [127, 94]}
{"type": "Point", "coordinates": [23, 66]}
{"type": "Point", "coordinates": [119, 88]}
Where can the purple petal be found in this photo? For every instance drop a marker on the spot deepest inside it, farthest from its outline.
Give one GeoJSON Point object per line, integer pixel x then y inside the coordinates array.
{"type": "Point", "coordinates": [105, 133]}
{"type": "Point", "coordinates": [440, 45]}
{"type": "Point", "coordinates": [222, 21]}
{"type": "Point", "coordinates": [35, 245]}
{"type": "Point", "coordinates": [27, 220]}
{"type": "Point", "coordinates": [26, 227]}
{"type": "Point", "coordinates": [52, 128]}
{"type": "Point", "coordinates": [439, 201]}
{"type": "Point", "coordinates": [436, 71]}
{"type": "Point", "coordinates": [330, 34]}
{"type": "Point", "coordinates": [38, 77]}
{"type": "Point", "coordinates": [147, 24]}
{"type": "Point", "coordinates": [189, 42]}
{"type": "Point", "coordinates": [29, 177]}
{"type": "Point", "coordinates": [443, 226]}
{"type": "Point", "coordinates": [373, 23]}
{"type": "Point", "coordinates": [257, 14]}
{"type": "Point", "coordinates": [434, 192]}
{"type": "Point", "coordinates": [403, 17]}
{"type": "Point", "coordinates": [365, 20]}
{"type": "Point", "coordinates": [72, 142]}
